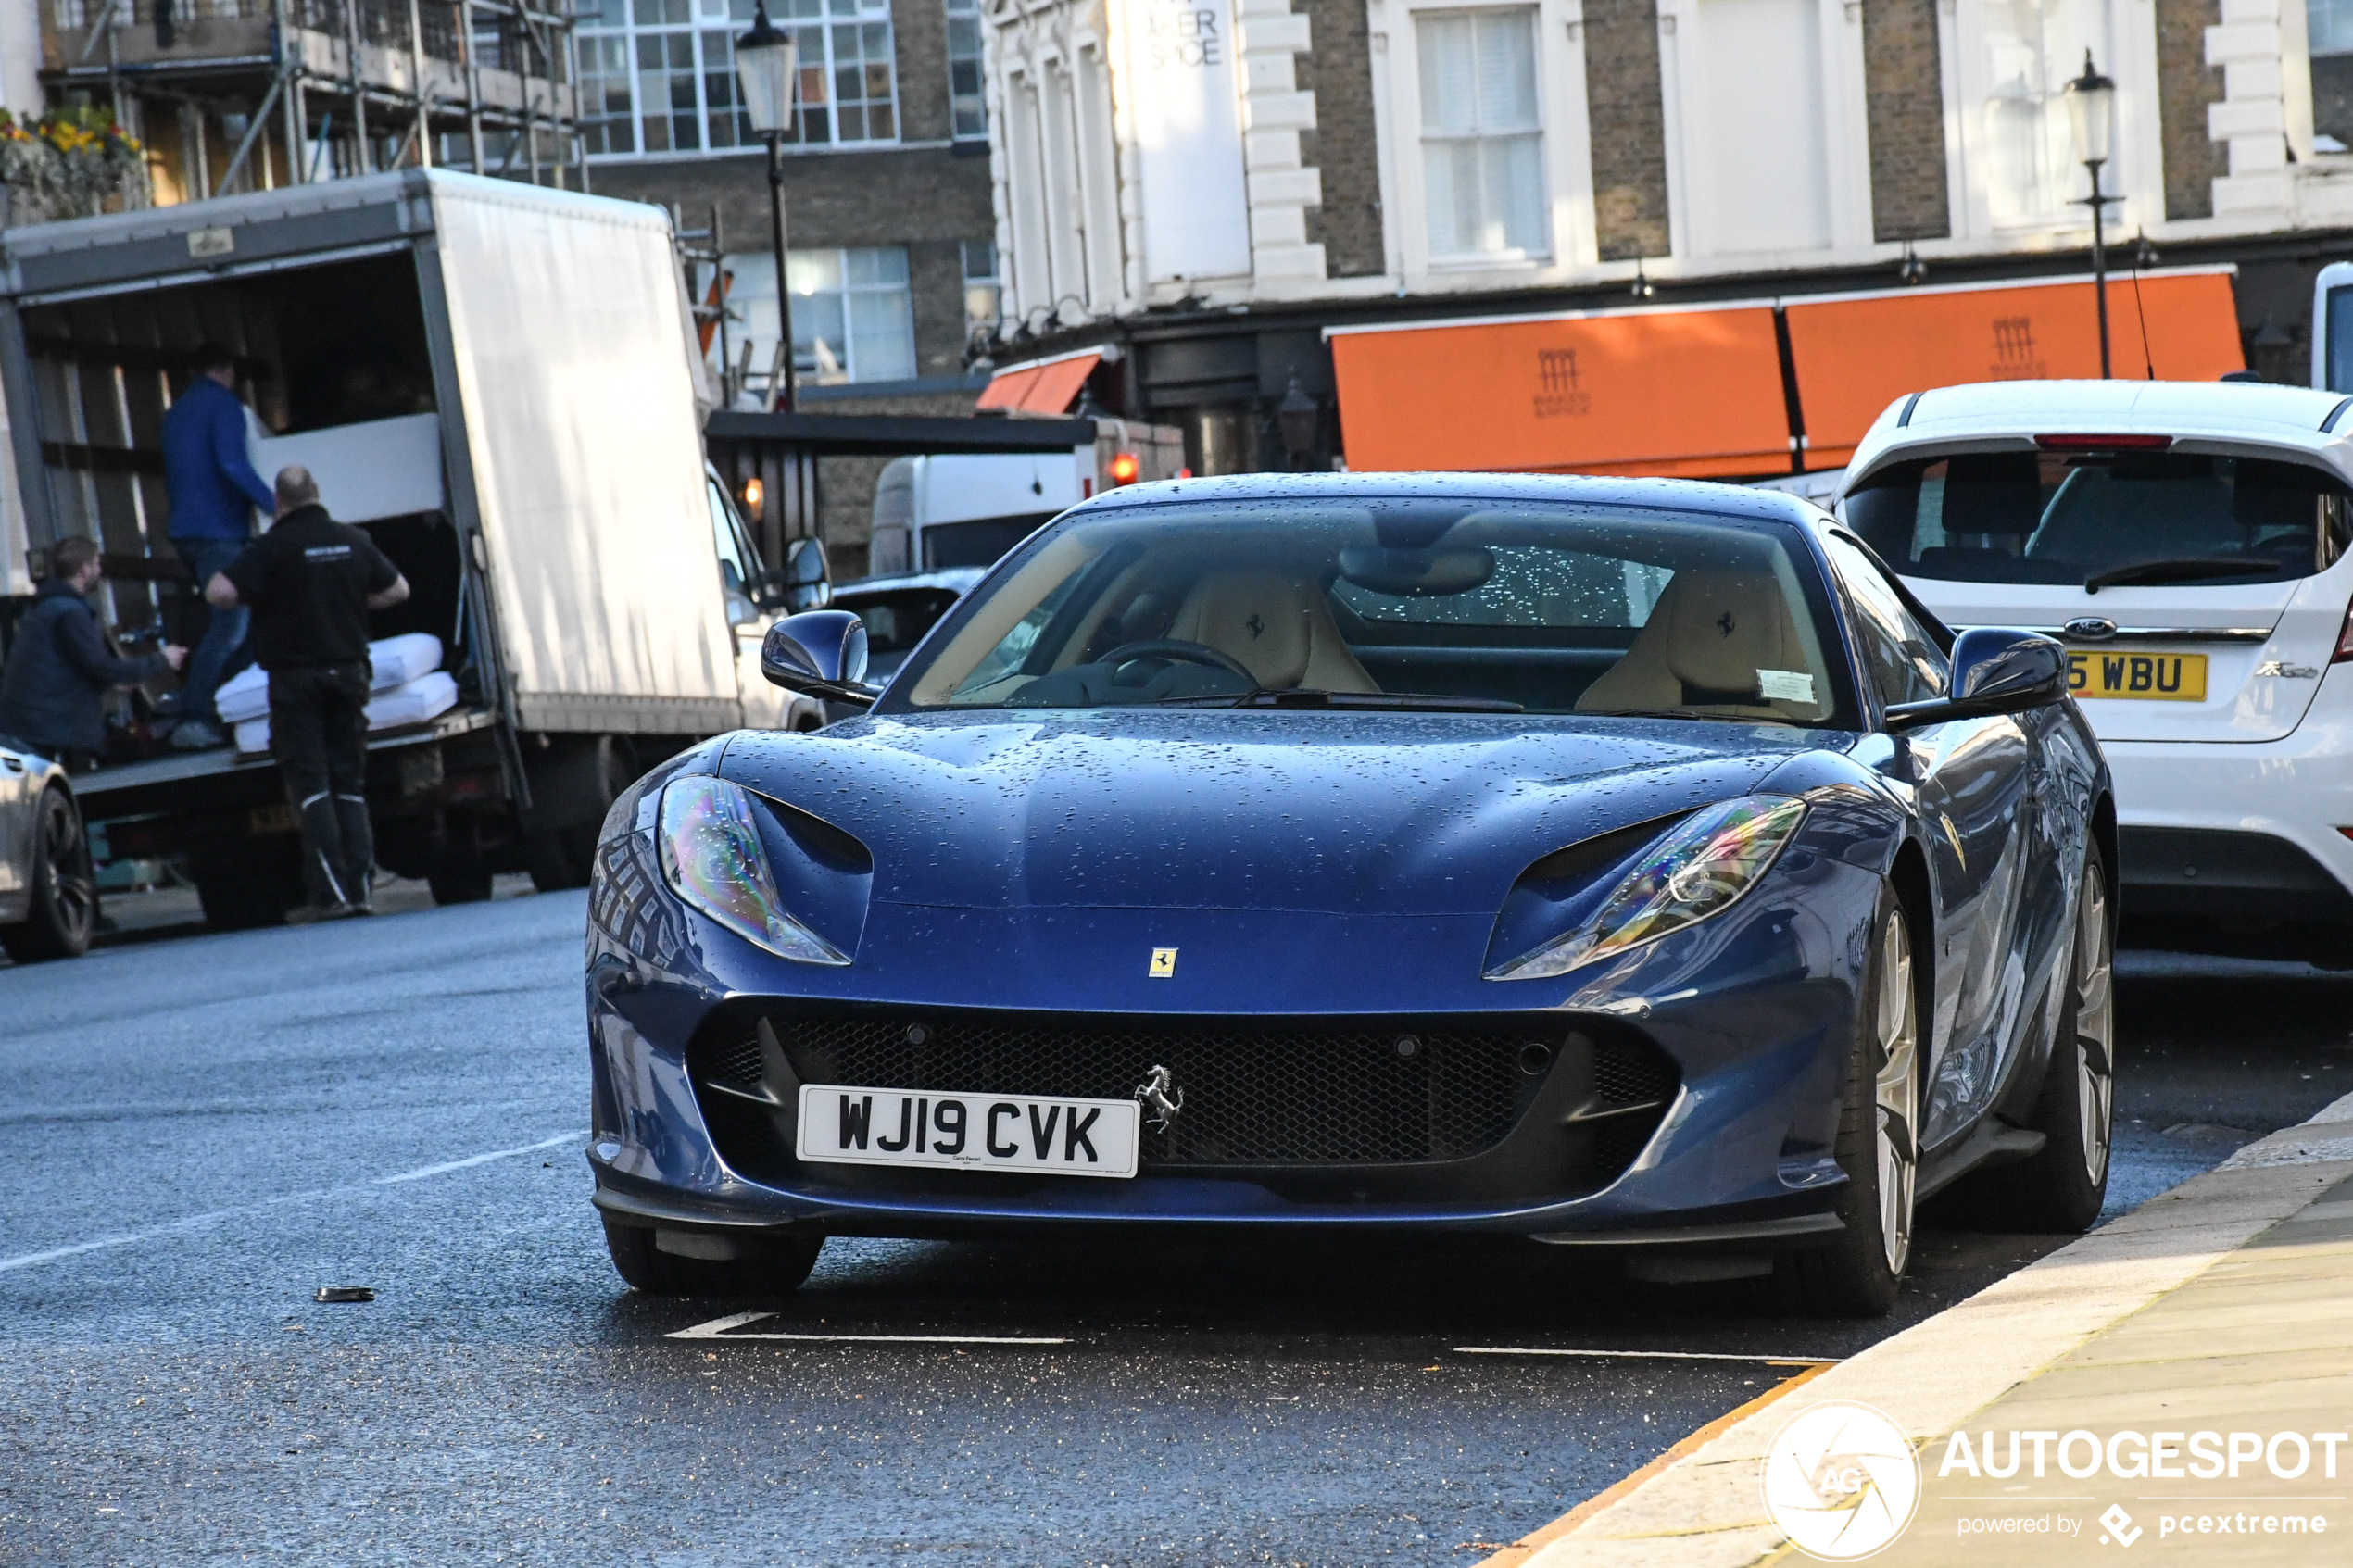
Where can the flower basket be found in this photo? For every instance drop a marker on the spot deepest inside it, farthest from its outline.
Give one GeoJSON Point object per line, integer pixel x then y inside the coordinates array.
{"type": "Point", "coordinates": [70, 163]}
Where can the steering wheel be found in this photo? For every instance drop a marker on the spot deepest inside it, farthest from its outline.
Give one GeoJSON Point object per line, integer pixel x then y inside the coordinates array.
{"type": "Point", "coordinates": [1171, 647]}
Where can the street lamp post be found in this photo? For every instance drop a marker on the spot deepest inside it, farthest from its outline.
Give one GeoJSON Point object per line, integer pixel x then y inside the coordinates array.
{"type": "Point", "coordinates": [768, 66]}
{"type": "Point", "coordinates": [2091, 115]}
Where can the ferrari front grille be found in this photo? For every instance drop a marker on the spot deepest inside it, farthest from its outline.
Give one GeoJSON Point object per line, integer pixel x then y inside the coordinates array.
{"type": "Point", "coordinates": [1346, 1092]}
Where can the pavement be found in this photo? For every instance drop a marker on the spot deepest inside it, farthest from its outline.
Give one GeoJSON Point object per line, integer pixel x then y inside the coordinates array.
{"type": "Point", "coordinates": [2177, 1385]}
{"type": "Point", "coordinates": [200, 1130]}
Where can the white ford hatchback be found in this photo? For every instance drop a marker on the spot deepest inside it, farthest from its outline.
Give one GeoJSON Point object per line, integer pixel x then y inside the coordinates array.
{"type": "Point", "coordinates": [2189, 542]}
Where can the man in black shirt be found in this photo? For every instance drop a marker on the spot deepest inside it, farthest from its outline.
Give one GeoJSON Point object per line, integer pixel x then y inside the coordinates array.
{"type": "Point", "coordinates": [311, 582]}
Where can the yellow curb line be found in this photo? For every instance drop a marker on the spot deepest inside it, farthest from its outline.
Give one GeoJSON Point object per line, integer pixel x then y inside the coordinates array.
{"type": "Point", "coordinates": [1528, 1545]}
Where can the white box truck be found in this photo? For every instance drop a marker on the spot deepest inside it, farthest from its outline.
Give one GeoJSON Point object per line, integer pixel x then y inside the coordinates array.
{"type": "Point", "coordinates": [497, 382]}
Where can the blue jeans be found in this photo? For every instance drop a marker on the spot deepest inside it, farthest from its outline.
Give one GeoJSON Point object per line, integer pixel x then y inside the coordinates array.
{"type": "Point", "coordinates": [217, 658]}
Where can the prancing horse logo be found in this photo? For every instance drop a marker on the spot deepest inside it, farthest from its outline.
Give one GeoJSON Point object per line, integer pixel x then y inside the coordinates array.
{"type": "Point", "coordinates": [1153, 1095]}
{"type": "Point", "coordinates": [1724, 623]}
{"type": "Point", "coordinates": [1257, 627]}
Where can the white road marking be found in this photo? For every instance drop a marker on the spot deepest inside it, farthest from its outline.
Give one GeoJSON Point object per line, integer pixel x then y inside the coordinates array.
{"type": "Point", "coordinates": [723, 1328]}
{"type": "Point", "coordinates": [421, 1173]}
{"type": "Point", "coordinates": [198, 1222]}
{"type": "Point", "coordinates": [1645, 1355]}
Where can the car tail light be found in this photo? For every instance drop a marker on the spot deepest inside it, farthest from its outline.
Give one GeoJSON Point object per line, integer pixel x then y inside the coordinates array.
{"type": "Point", "coordinates": [2103, 442]}
{"type": "Point", "coordinates": [1124, 469]}
{"type": "Point", "coordinates": [2346, 832]}
{"type": "Point", "coordinates": [2344, 653]}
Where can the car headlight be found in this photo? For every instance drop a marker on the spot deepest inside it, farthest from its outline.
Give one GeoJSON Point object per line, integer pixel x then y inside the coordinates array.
{"type": "Point", "coordinates": [1699, 869]}
{"type": "Point", "coordinates": [713, 858]}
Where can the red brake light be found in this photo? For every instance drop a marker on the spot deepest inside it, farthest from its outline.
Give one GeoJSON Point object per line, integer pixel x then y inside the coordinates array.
{"type": "Point", "coordinates": [2343, 654]}
{"type": "Point", "coordinates": [1124, 469]}
{"type": "Point", "coordinates": [2103, 442]}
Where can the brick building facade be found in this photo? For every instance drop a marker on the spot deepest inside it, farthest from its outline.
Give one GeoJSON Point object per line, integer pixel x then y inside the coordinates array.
{"type": "Point", "coordinates": [1407, 159]}
{"type": "Point", "coordinates": [887, 194]}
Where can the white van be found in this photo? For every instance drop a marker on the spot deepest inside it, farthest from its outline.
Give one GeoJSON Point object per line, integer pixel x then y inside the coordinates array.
{"type": "Point", "coordinates": [933, 513]}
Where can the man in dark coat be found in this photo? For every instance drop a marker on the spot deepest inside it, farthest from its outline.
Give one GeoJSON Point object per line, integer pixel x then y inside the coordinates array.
{"type": "Point", "coordinates": [53, 692]}
{"type": "Point", "coordinates": [310, 582]}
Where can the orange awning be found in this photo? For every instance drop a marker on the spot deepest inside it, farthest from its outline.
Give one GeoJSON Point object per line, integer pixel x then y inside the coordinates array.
{"type": "Point", "coordinates": [1048, 388]}
{"type": "Point", "coordinates": [1007, 388]}
{"type": "Point", "coordinates": [1690, 392]}
{"type": "Point", "coordinates": [1856, 354]}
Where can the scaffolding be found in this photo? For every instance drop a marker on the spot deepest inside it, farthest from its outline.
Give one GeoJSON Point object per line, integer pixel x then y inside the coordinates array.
{"type": "Point", "coordinates": [252, 94]}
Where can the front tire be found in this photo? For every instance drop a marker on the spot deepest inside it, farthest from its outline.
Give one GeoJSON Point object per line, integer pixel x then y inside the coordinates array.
{"type": "Point", "coordinates": [2062, 1189]}
{"type": "Point", "coordinates": [1878, 1143]}
{"type": "Point", "coordinates": [65, 886]}
{"type": "Point", "coordinates": [647, 1268]}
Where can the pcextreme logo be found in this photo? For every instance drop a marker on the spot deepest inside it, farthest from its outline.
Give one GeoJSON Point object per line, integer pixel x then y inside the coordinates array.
{"type": "Point", "coordinates": [1841, 1481]}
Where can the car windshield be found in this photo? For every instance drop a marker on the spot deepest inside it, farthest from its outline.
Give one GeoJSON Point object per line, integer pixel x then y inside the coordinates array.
{"type": "Point", "coordinates": [1424, 603]}
{"type": "Point", "coordinates": [2138, 517]}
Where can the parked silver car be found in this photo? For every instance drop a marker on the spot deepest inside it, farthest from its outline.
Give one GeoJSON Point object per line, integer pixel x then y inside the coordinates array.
{"type": "Point", "coordinates": [48, 890]}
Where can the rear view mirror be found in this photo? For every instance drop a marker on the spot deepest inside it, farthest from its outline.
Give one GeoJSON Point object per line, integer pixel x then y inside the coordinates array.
{"type": "Point", "coordinates": [1995, 670]}
{"type": "Point", "coordinates": [808, 582]}
{"type": "Point", "coordinates": [820, 653]}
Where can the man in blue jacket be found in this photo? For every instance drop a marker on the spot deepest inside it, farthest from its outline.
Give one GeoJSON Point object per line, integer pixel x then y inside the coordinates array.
{"type": "Point", "coordinates": [53, 692]}
{"type": "Point", "coordinates": [213, 491]}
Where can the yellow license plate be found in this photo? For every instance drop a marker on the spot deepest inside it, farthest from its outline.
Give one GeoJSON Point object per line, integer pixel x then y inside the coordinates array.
{"type": "Point", "coordinates": [2152, 677]}
{"type": "Point", "coordinates": [264, 820]}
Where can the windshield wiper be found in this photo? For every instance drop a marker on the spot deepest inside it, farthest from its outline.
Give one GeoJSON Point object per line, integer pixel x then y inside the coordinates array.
{"type": "Point", "coordinates": [1311, 696]}
{"type": "Point", "coordinates": [2188, 569]}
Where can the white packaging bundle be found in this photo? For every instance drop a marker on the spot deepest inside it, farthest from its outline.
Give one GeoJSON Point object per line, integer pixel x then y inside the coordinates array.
{"type": "Point", "coordinates": [393, 661]}
{"type": "Point", "coordinates": [398, 660]}
{"type": "Point", "coordinates": [412, 702]}
{"type": "Point", "coordinates": [244, 695]}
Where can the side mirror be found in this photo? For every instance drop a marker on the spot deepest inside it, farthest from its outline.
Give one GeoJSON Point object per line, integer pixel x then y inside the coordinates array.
{"type": "Point", "coordinates": [1995, 670]}
{"type": "Point", "coordinates": [820, 652]}
{"type": "Point", "coordinates": [808, 581]}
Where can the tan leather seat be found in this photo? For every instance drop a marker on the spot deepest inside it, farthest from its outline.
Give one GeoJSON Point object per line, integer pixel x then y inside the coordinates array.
{"type": "Point", "coordinates": [1278, 629]}
{"type": "Point", "coordinates": [1706, 639]}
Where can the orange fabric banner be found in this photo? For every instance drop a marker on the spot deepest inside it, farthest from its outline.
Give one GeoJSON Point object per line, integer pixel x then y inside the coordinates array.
{"type": "Point", "coordinates": [1048, 388]}
{"type": "Point", "coordinates": [1856, 356]}
{"type": "Point", "coordinates": [1692, 393]}
{"type": "Point", "coordinates": [1007, 388]}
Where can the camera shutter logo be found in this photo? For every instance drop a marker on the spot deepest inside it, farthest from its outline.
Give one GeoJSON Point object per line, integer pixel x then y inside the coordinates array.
{"type": "Point", "coordinates": [1841, 1481]}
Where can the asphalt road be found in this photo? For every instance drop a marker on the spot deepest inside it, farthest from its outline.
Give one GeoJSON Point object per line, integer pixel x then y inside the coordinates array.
{"type": "Point", "coordinates": [198, 1132]}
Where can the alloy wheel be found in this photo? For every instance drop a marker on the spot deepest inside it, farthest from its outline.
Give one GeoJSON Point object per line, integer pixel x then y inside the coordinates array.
{"type": "Point", "coordinates": [2095, 1030]}
{"type": "Point", "coordinates": [1897, 1093]}
{"type": "Point", "coordinates": [73, 887]}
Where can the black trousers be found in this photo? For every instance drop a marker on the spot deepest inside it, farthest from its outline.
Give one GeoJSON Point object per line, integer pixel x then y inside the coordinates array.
{"type": "Point", "coordinates": [319, 731]}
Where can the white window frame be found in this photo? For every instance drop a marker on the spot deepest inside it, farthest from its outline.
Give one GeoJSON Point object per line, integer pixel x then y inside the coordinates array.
{"type": "Point", "coordinates": [862, 13]}
{"type": "Point", "coordinates": [968, 10]}
{"type": "Point", "coordinates": [1562, 125]}
{"type": "Point", "coordinates": [1846, 171]}
{"type": "Point", "coordinates": [755, 273]}
{"type": "Point", "coordinates": [2134, 172]}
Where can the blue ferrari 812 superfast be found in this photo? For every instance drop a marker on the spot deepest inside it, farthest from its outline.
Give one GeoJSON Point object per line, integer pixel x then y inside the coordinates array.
{"type": "Point", "coordinates": [1625, 864]}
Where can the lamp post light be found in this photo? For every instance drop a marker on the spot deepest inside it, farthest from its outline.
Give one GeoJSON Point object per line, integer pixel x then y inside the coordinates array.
{"type": "Point", "coordinates": [768, 66]}
{"type": "Point", "coordinates": [2091, 115]}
